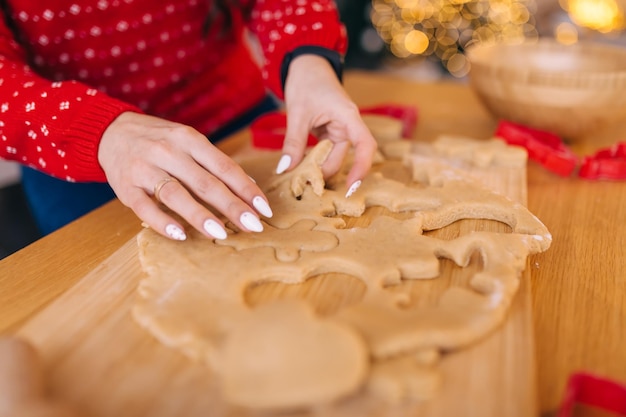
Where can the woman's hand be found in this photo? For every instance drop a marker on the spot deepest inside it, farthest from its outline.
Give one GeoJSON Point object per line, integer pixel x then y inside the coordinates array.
{"type": "Point", "coordinates": [139, 153]}
{"type": "Point", "coordinates": [317, 102]}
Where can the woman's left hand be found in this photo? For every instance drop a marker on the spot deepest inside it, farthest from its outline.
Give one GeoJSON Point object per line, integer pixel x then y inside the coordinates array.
{"type": "Point", "coordinates": [317, 102]}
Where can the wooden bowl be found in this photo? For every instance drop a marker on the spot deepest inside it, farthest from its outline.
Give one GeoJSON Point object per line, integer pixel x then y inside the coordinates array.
{"type": "Point", "coordinates": [571, 90]}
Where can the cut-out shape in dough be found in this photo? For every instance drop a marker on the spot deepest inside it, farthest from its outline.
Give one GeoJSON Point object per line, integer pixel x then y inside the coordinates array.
{"type": "Point", "coordinates": [482, 153]}
{"type": "Point", "coordinates": [302, 175]}
{"type": "Point", "coordinates": [288, 243]}
{"type": "Point", "coordinates": [193, 298]}
{"type": "Point", "coordinates": [326, 359]}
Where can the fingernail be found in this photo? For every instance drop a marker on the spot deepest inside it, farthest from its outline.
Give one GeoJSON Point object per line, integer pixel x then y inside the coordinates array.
{"type": "Point", "coordinates": [175, 232]}
{"type": "Point", "coordinates": [262, 207]}
{"type": "Point", "coordinates": [355, 186]}
{"type": "Point", "coordinates": [283, 164]}
{"type": "Point", "coordinates": [252, 179]}
{"type": "Point", "coordinates": [251, 223]}
{"type": "Point", "coordinates": [214, 229]}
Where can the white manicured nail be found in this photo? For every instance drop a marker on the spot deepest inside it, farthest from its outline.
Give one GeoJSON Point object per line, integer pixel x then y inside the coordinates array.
{"type": "Point", "coordinates": [283, 164]}
{"type": "Point", "coordinates": [251, 223]}
{"type": "Point", "coordinates": [175, 232]}
{"type": "Point", "coordinates": [262, 207]}
{"type": "Point", "coordinates": [214, 229]}
{"type": "Point", "coordinates": [355, 186]}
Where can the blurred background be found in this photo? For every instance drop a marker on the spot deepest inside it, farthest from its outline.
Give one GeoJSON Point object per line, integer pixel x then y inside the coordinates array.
{"type": "Point", "coordinates": [425, 39]}
{"type": "Point", "coordinates": [422, 40]}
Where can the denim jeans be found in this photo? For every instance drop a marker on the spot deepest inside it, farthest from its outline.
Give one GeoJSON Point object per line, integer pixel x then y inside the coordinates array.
{"type": "Point", "coordinates": [55, 203]}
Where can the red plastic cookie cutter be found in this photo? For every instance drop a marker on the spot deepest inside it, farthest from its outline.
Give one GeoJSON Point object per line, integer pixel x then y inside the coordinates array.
{"type": "Point", "coordinates": [544, 147]}
{"type": "Point", "coordinates": [592, 390]}
{"type": "Point", "coordinates": [607, 163]}
{"type": "Point", "coordinates": [268, 130]}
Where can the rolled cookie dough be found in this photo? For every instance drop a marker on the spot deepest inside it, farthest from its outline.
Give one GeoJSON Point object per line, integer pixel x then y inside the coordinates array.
{"type": "Point", "coordinates": [281, 355]}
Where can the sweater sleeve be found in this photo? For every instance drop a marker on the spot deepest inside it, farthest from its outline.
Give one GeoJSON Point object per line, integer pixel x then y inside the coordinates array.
{"type": "Point", "coordinates": [54, 127]}
{"type": "Point", "coordinates": [283, 25]}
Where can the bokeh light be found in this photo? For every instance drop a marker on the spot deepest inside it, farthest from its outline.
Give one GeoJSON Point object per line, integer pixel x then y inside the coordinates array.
{"type": "Point", "coordinates": [442, 29]}
{"type": "Point", "coordinates": [601, 15]}
{"type": "Point", "coordinates": [566, 33]}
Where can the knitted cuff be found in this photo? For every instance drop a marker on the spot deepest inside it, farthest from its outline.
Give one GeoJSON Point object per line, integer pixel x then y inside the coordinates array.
{"type": "Point", "coordinates": [84, 135]}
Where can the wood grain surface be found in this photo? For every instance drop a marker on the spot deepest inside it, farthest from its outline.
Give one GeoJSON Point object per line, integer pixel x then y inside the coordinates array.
{"type": "Point", "coordinates": [578, 286]}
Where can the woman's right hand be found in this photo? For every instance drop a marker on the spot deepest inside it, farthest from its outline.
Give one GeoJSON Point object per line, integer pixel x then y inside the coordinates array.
{"type": "Point", "coordinates": [139, 153]}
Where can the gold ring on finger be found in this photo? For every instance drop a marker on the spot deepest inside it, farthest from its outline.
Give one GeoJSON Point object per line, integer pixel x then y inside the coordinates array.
{"type": "Point", "coordinates": [159, 185]}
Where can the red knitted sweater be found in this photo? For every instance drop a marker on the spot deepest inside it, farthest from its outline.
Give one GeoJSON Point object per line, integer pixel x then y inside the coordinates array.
{"type": "Point", "coordinates": [68, 68]}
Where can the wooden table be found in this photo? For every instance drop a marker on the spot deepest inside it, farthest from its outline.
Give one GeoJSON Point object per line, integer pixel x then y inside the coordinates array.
{"type": "Point", "coordinates": [579, 284]}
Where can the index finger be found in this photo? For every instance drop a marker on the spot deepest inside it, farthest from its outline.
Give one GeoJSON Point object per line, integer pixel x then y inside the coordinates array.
{"type": "Point", "coordinates": [232, 175]}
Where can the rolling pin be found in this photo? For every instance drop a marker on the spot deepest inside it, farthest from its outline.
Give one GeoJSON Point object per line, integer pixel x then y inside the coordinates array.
{"type": "Point", "coordinates": [22, 392]}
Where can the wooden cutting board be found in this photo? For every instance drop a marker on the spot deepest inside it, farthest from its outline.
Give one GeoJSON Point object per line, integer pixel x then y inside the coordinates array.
{"type": "Point", "coordinates": [101, 362]}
